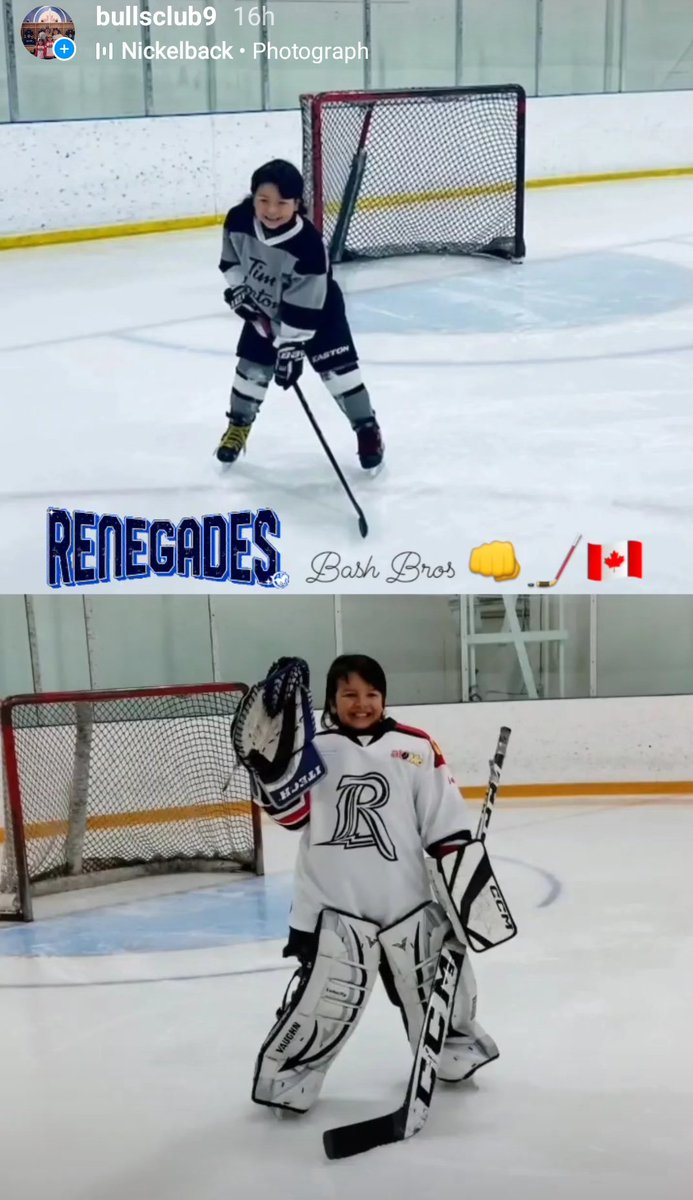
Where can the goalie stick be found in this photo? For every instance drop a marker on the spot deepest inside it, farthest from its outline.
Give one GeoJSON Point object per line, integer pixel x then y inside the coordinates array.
{"type": "Point", "coordinates": [347, 1140]}
{"type": "Point", "coordinates": [351, 191]}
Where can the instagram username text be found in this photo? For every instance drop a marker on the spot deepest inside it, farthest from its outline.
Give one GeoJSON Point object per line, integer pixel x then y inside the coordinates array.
{"type": "Point", "coordinates": [169, 16]}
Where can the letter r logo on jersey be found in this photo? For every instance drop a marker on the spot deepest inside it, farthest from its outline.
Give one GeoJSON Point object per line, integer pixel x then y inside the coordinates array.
{"type": "Point", "coordinates": [358, 823]}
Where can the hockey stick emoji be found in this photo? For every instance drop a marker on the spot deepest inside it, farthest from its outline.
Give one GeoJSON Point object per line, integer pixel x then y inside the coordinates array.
{"type": "Point", "coordinates": [546, 583]}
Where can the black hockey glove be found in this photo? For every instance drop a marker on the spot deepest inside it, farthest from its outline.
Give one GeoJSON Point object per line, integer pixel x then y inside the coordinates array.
{"type": "Point", "coordinates": [240, 301]}
{"type": "Point", "coordinates": [289, 364]}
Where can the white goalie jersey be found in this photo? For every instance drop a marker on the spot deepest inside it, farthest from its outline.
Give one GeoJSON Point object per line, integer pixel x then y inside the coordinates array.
{"type": "Point", "coordinates": [386, 798]}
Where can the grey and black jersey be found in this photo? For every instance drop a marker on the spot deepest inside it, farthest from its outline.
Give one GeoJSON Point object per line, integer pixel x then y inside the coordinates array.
{"type": "Point", "coordinates": [288, 273]}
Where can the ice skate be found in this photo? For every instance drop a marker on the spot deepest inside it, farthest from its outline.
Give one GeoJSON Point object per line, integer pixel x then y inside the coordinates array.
{"type": "Point", "coordinates": [464, 1053]}
{"type": "Point", "coordinates": [232, 443]}
{"type": "Point", "coordinates": [371, 448]}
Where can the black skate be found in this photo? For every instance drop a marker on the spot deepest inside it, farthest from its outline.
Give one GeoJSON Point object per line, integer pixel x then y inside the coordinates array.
{"type": "Point", "coordinates": [371, 447]}
{"type": "Point", "coordinates": [233, 441]}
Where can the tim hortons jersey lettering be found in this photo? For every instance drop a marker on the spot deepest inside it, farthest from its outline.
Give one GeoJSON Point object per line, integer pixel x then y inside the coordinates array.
{"type": "Point", "coordinates": [255, 271]}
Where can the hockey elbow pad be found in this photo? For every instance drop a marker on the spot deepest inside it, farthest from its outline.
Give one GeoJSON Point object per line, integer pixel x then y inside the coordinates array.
{"type": "Point", "coordinates": [465, 885]}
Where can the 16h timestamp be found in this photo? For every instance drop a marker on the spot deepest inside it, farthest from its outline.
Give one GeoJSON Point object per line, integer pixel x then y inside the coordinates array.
{"type": "Point", "coordinates": [259, 15]}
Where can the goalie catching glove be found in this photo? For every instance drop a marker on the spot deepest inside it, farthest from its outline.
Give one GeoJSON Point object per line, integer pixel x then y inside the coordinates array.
{"type": "Point", "coordinates": [464, 884]}
{"type": "Point", "coordinates": [273, 731]}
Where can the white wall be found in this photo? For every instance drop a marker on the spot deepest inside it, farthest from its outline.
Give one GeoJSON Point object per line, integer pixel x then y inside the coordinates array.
{"type": "Point", "coordinates": [553, 741]}
{"type": "Point", "coordinates": [565, 741]}
{"type": "Point", "coordinates": [85, 174]}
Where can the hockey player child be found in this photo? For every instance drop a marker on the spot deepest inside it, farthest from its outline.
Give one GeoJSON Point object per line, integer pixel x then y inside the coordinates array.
{"type": "Point", "coordinates": [372, 798]}
{"type": "Point", "coordinates": [280, 284]}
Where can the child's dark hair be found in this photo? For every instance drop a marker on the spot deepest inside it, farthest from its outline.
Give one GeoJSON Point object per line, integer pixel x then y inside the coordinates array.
{"type": "Point", "coordinates": [344, 666]}
{"type": "Point", "coordinates": [287, 179]}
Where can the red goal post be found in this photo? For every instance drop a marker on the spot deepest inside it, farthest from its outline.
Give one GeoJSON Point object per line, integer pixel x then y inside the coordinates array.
{"type": "Point", "coordinates": [417, 171]}
{"type": "Point", "coordinates": [105, 785]}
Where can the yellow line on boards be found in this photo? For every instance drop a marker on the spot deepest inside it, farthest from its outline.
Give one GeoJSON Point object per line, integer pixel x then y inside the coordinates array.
{"type": "Point", "coordinates": [130, 820]}
{"type": "Point", "coordinates": [98, 232]}
{"type": "Point", "coordinates": [653, 790]}
{"type": "Point", "coordinates": [374, 203]}
{"type": "Point", "coordinates": [611, 177]}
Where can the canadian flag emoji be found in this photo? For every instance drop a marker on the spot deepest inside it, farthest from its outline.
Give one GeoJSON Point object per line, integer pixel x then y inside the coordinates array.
{"type": "Point", "coordinates": [619, 561]}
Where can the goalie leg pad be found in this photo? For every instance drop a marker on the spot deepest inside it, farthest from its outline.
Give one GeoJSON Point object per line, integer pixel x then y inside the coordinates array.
{"type": "Point", "coordinates": [411, 949]}
{"type": "Point", "coordinates": [318, 1018]}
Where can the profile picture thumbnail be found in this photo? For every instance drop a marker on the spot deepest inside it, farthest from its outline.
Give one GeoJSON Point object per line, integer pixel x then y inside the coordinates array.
{"type": "Point", "coordinates": [44, 31]}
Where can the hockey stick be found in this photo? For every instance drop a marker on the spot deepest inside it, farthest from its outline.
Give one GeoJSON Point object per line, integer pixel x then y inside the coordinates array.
{"type": "Point", "coordinates": [495, 767]}
{"type": "Point", "coordinates": [363, 524]}
{"type": "Point", "coordinates": [546, 583]}
{"type": "Point", "coordinates": [351, 192]}
{"type": "Point", "coordinates": [348, 1140]}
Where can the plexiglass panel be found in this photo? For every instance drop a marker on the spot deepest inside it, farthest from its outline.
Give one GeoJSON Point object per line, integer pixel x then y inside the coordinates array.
{"type": "Point", "coordinates": [310, 26]}
{"type": "Point", "coordinates": [4, 84]}
{"type": "Point", "coordinates": [84, 87]}
{"type": "Point", "coordinates": [658, 45]}
{"type": "Point", "coordinates": [533, 647]}
{"type": "Point", "coordinates": [414, 44]}
{"type": "Point", "coordinates": [15, 659]}
{"type": "Point", "coordinates": [251, 632]}
{"type": "Point", "coordinates": [149, 640]}
{"type": "Point", "coordinates": [415, 638]}
{"type": "Point", "coordinates": [61, 642]}
{"type": "Point", "coordinates": [574, 46]}
{"type": "Point", "coordinates": [237, 86]}
{"type": "Point", "coordinates": [282, 48]}
{"type": "Point", "coordinates": [214, 84]}
{"type": "Point", "coordinates": [499, 42]}
{"type": "Point", "coordinates": [645, 646]}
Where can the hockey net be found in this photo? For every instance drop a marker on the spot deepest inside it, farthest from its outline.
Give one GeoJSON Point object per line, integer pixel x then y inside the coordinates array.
{"type": "Point", "coordinates": [105, 785]}
{"type": "Point", "coordinates": [424, 171]}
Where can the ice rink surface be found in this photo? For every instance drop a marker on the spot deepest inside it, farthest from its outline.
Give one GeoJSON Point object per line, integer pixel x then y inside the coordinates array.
{"type": "Point", "coordinates": [131, 1017]}
{"type": "Point", "coordinates": [525, 403]}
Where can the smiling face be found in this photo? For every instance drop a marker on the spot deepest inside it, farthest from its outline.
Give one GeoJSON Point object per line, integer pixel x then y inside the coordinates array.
{"type": "Point", "coordinates": [271, 208]}
{"type": "Point", "coordinates": [357, 704]}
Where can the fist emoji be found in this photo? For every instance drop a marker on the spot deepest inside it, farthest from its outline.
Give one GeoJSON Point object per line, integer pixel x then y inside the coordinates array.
{"type": "Point", "coordinates": [495, 560]}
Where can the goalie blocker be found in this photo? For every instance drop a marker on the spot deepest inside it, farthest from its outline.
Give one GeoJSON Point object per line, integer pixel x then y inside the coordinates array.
{"type": "Point", "coordinates": [463, 881]}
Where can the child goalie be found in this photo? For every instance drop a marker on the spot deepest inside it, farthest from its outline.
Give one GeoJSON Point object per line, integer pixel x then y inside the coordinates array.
{"type": "Point", "coordinates": [373, 798]}
{"type": "Point", "coordinates": [279, 282]}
